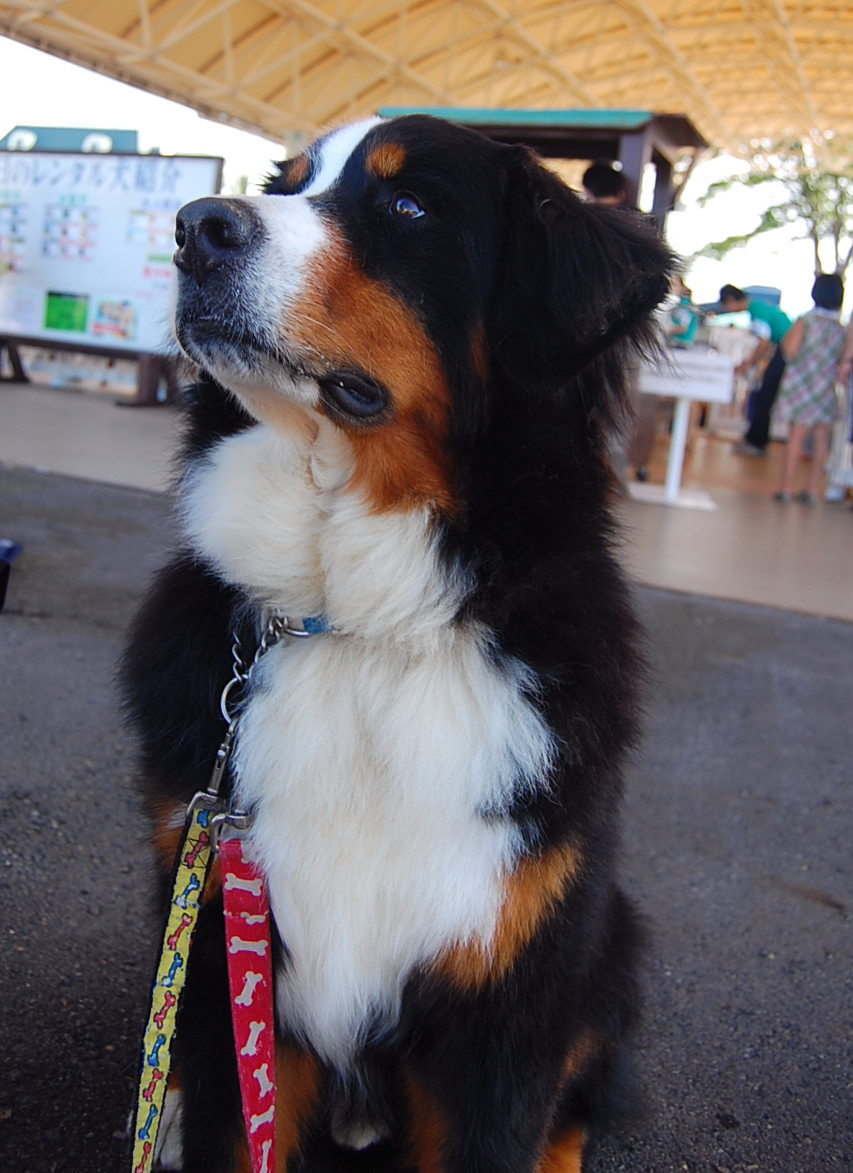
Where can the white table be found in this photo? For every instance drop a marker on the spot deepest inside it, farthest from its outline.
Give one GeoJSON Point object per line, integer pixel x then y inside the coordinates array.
{"type": "Point", "coordinates": [696, 375]}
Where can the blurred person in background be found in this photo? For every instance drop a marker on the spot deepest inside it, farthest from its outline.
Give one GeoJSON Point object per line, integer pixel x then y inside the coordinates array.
{"type": "Point", "coordinates": [839, 473]}
{"type": "Point", "coordinates": [604, 183]}
{"type": "Point", "coordinates": [683, 318]}
{"type": "Point", "coordinates": [807, 400]}
{"type": "Point", "coordinates": [769, 325]}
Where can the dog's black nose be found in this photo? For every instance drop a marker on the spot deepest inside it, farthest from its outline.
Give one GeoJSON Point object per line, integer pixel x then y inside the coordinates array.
{"type": "Point", "coordinates": [211, 232]}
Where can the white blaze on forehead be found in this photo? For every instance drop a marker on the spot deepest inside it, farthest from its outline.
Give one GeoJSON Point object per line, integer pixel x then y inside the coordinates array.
{"type": "Point", "coordinates": [334, 152]}
{"type": "Point", "coordinates": [296, 232]}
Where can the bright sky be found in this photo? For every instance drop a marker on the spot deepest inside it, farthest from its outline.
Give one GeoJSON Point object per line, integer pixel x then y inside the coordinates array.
{"type": "Point", "coordinates": [777, 259]}
{"type": "Point", "coordinates": [39, 90]}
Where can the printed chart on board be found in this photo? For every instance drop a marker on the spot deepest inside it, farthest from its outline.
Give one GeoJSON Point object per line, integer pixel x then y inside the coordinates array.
{"type": "Point", "coordinates": [86, 245]}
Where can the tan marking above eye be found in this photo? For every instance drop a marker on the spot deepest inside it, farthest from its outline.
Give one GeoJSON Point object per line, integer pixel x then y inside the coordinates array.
{"type": "Point", "coordinates": [386, 160]}
{"type": "Point", "coordinates": [295, 172]}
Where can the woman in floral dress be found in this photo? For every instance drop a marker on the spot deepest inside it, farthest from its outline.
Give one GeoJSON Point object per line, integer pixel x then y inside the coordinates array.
{"type": "Point", "coordinates": [807, 398]}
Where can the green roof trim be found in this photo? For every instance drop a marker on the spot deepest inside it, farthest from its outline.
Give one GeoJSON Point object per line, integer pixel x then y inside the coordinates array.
{"type": "Point", "coordinates": [608, 119]}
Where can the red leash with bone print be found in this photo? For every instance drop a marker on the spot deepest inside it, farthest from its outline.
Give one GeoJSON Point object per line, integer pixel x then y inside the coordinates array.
{"type": "Point", "coordinates": [248, 943]}
{"type": "Point", "coordinates": [249, 948]}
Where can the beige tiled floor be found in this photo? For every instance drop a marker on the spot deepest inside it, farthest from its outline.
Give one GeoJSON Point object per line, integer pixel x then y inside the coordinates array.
{"type": "Point", "coordinates": [93, 435]}
{"type": "Point", "coordinates": [748, 549]}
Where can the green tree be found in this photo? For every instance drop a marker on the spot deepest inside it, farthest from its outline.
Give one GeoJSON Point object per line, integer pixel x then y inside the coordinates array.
{"type": "Point", "coordinates": [808, 187]}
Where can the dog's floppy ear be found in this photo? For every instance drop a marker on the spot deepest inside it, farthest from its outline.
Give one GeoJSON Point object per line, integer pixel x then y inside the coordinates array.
{"type": "Point", "coordinates": [576, 279]}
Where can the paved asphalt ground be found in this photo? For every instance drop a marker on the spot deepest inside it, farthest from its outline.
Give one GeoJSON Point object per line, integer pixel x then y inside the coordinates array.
{"type": "Point", "coordinates": [737, 845]}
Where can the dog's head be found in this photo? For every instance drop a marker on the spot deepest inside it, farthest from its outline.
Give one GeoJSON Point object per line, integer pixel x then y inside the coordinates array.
{"type": "Point", "coordinates": [412, 281]}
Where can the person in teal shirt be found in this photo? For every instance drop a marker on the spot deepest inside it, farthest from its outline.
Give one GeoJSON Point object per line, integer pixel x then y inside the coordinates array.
{"type": "Point", "coordinates": [683, 318]}
{"type": "Point", "coordinates": [770, 325]}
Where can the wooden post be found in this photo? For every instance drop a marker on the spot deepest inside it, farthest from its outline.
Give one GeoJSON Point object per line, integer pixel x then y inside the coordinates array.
{"type": "Point", "coordinates": [153, 368]}
{"type": "Point", "coordinates": [19, 375]}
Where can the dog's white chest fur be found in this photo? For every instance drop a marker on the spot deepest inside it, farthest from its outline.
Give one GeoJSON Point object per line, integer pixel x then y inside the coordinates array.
{"type": "Point", "coordinates": [377, 758]}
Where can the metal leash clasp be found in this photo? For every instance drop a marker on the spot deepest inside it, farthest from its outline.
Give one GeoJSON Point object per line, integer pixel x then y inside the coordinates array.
{"type": "Point", "coordinates": [237, 822]}
{"type": "Point", "coordinates": [229, 825]}
{"type": "Point", "coordinates": [212, 799]}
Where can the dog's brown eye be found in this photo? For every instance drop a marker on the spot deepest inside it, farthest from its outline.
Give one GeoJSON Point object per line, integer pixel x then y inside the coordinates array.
{"type": "Point", "coordinates": [405, 207]}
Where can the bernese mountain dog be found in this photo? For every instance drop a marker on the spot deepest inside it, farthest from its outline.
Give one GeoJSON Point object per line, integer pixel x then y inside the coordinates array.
{"type": "Point", "coordinates": [411, 354]}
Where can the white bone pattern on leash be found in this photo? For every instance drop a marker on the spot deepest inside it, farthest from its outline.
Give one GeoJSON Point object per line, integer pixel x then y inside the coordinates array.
{"type": "Point", "coordinates": [247, 936]}
{"type": "Point", "coordinates": [238, 945]}
{"type": "Point", "coordinates": [264, 1084]}
{"type": "Point", "coordinates": [244, 998]}
{"type": "Point", "coordinates": [240, 884]}
{"type": "Point", "coordinates": [250, 1047]}
{"type": "Point", "coordinates": [265, 1166]}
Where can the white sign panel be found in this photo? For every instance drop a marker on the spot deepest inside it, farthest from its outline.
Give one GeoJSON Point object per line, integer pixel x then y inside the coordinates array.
{"type": "Point", "coordinates": [696, 373]}
{"type": "Point", "coordinates": [86, 245]}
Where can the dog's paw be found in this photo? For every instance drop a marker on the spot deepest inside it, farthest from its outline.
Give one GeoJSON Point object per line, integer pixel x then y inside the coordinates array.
{"type": "Point", "coordinates": [354, 1129]}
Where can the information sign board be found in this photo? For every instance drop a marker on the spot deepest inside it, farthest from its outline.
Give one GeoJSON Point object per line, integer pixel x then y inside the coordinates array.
{"type": "Point", "coordinates": [86, 245]}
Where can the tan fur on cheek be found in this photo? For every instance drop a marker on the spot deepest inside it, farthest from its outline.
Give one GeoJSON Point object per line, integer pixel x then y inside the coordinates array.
{"type": "Point", "coordinates": [403, 465]}
{"type": "Point", "coordinates": [346, 320]}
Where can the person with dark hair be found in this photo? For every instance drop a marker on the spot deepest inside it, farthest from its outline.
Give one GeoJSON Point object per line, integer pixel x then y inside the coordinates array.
{"type": "Point", "coordinates": [605, 184]}
{"type": "Point", "coordinates": [769, 324]}
{"type": "Point", "coordinates": [807, 398]}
